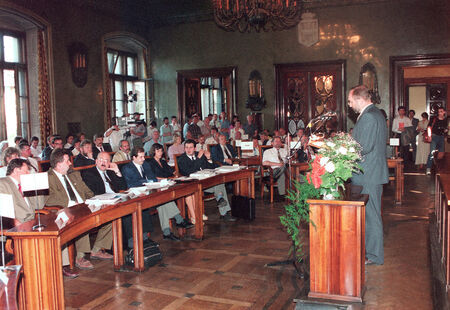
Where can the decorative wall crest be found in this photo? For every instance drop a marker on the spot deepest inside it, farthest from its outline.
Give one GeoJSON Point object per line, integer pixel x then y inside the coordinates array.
{"type": "Point", "coordinates": [78, 63]}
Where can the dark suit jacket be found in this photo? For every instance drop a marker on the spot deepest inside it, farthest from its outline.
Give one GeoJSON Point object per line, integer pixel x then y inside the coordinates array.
{"type": "Point", "coordinates": [217, 153]}
{"type": "Point", "coordinates": [45, 155]}
{"type": "Point", "coordinates": [80, 160]}
{"type": "Point", "coordinates": [371, 131]}
{"type": "Point", "coordinates": [415, 122]}
{"type": "Point", "coordinates": [57, 193]}
{"type": "Point", "coordinates": [133, 177]}
{"type": "Point", "coordinates": [164, 171]}
{"type": "Point", "coordinates": [96, 151]}
{"type": "Point", "coordinates": [187, 166]}
{"type": "Point", "coordinates": [95, 182]}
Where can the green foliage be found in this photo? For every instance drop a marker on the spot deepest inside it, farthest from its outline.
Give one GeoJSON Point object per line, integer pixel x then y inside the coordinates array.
{"type": "Point", "coordinates": [297, 212]}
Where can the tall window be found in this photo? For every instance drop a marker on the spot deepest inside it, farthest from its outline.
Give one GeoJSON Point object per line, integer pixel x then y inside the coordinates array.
{"type": "Point", "coordinates": [213, 95]}
{"type": "Point", "coordinates": [14, 116]}
{"type": "Point", "coordinates": [127, 91]}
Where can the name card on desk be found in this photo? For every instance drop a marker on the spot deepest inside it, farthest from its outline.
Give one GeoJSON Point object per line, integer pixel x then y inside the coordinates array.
{"type": "Point", "coordinates": [394, 142]}
{"type": "Point", "coordinates": [61, 219]}
{"type": "Point", "coordinates": [247, 145]}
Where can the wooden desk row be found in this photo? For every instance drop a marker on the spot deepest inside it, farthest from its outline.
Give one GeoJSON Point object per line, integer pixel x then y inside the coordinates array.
{"type": "Point", "coordinates": [39, 252]}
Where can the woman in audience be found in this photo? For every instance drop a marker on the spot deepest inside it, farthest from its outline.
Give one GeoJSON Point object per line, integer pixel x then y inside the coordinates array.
{"type": "Point", "coordinates": [163, 171]}
{"type": "Point", "coordinates": [423, 149]}
{"type": "Point", "coordinates": [9, 154]}
{"type": "Point", "coordinates": [175, 148]}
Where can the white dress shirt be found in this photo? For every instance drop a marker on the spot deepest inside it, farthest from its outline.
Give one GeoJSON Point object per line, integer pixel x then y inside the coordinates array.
{"type": "Point", "coordinates": [108, 188]}
{"type": "Point", "coordinates": [272, 155]}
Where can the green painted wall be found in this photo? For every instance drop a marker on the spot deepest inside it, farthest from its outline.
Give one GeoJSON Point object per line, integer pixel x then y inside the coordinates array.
{"type": "Point", "coordinates": [359, 34]}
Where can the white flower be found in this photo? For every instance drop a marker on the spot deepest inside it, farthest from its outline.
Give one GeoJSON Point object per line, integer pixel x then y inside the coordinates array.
{"type": "Point", "coordinates": [323, 161]}
{"type": "Point", "coordinates": [352, 149]}
{"type": "Point", "coordinates": [331, 144]}
{"type": "Point", "coordinates": [342, 150]}
{"type": "Point", "coordinates": [329, 167]}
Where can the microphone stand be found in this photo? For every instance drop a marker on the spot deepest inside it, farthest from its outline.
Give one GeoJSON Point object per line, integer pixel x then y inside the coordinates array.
{"type": "Point", "coordinates": [38, 226]}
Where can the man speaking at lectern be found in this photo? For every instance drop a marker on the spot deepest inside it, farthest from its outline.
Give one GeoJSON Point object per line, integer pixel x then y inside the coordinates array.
{"type": "Point", "coordinates": [370, 132]}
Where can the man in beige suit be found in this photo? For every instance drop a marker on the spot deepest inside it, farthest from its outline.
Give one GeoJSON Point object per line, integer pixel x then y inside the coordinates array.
{"type": "Point", "coordinates": [24, 207]}
{"type": "Point", "coordinates": [123, 153]}
{"type": "Point", "coordinates": [67, 189]}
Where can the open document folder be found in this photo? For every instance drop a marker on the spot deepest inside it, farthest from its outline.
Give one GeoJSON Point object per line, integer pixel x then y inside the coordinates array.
{"type": "Point", "coordinates": [105, 199]}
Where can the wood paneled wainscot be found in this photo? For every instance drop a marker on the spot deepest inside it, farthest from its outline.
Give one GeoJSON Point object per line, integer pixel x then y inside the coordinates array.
{"type": "Point", "coordinates": [337, 248]}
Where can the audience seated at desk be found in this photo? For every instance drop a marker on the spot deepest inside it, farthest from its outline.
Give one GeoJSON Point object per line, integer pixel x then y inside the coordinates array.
{"type": "Point", "coordinates": [25, 153]}
{"type": "Point", "coordinates": [237, 128]}
{"type": "Point", "coordinates": [250, 128]}
{"type": "Point", "coordinates": [24, 207]}
{"type": "Point", "coordinates": [36, 150]}
{"type": "Point", "coordinates": [163, 171]}
{"type": "Point", "coordinates": [191, 162]}
{"type": "Point", "coordinates": [56, 142]}
{"type": "Point", "coordinates": [301, 142]}
{"type": "Point", "coordinates": [223, 152]}
{"type": "Point", "coordinates": [66, 188]}
{"type": "Point", "coordinates": [99, 147]}
{"type": "Point", "coordinates": [176, 148]}
{"type": "Point", "coordinates": [123, 153]}
{"type": "Point", "coordinates": [201, 144]}
{"type": "Point", "coordinates": [275, 158]}
{"type": "Point", "coordinates": [138, 172]}
{"type": "Point", "coordinates": [86, 156]}
{"type": "Point", "coordinates": [9, 154]}
{"type": "Point", "coordinates": [214, 138]}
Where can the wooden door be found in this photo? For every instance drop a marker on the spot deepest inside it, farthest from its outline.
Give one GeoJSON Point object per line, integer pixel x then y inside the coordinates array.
{"type": "Point", "coordinates": [307, 90]}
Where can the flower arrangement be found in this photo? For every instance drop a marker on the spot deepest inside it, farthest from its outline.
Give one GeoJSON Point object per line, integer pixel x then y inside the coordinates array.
{"type": "Point", "coordinates": [337, 159]}
{"type": "Point", "coordinates": [334, 164]}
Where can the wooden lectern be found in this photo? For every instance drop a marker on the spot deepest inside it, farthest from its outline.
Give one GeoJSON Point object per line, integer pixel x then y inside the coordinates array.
{"type": "Point", "coordinates": [337, 248]}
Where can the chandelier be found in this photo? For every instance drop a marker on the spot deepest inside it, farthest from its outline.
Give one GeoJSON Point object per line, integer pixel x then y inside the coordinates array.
{"type": "Point", "coordinates": [245, 15]}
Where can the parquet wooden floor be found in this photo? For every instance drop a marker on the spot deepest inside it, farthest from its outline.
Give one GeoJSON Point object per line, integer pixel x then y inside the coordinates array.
{"type": "Point", "coordinates": [227, 269]}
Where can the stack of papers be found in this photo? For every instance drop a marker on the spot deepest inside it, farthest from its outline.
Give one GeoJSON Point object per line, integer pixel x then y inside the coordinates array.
{"type": "Point", "coordinates": [104, 199]}
{"type": "Point", "coordinates": [203, 174]}
{"type": "Point", "coordinates": [223, 169]}
{"type": "Point", "coordinates": [161, 184]}
{"type": "Point", "coordinates": [138, 190]}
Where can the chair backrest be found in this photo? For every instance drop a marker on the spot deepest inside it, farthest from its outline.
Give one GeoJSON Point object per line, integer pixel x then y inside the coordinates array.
{"type": "Point", "coordinates": [43, 165]}
{"type": "Point", "coordinates": [175, 159]}
{"type": "Point", "coordinates": [166, 150]}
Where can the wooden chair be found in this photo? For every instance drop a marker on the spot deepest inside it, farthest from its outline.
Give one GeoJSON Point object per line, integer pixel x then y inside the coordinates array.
{"type": "Point", "coordinates": [166, 150]}
{"type": "Point", "coordinates": [266, 179]}
{"type": "Point", "coordinates": [43, 165]}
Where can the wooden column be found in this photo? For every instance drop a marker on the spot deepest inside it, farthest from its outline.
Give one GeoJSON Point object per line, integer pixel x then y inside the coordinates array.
{"type": "Point", "coordinates": [42, 283]}
{"type": "Point", "coordinates": [337, 249]}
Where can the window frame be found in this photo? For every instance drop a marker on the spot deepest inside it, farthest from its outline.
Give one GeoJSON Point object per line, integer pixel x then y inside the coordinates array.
{"type": "Point", "coordinates": [16, 67]}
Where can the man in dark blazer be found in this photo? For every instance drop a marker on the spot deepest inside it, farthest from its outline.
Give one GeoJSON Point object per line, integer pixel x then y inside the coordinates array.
{"type": "Point", "coordinates": [191, 161]}
{"type": "Point", "coordinates": [138, 172]}
{"type": "Point", "coordinates": [370, 132]}
{"type": "Point", "coordinates": [99, 146]}
{"type": "Point", "coordinates": [66, 188]}
{"type": "Point", "coordinates": [223, 152]}
{"type": "Point", "coordinates": [56, 142]}
{"type": "Point", "coordinates": [86, 156]}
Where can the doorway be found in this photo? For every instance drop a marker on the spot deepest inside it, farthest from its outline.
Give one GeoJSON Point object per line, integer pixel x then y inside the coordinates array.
{"type": "Point", "coordinates": [206, 91]}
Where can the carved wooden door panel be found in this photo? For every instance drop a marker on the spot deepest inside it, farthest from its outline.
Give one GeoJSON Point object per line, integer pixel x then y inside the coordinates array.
{"type": "Point", "coordinates": [306, 91]}
{"type": "Point", "coordinates": [192, 97]}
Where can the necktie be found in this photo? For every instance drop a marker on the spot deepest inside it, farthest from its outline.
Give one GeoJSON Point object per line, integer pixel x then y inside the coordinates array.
{"type": "Point", "coordinates": [279, 156]}
{"type": "Point", "coordinates": [109, 181]}
{"type": "Point", "coordinates": [69, 189]}
{"type": "Point", "coordinates": [143, 173]}
{"type": "Point", "coordinates": [20, 189]}
{"type": "Point", "coordinates": [227, 152]}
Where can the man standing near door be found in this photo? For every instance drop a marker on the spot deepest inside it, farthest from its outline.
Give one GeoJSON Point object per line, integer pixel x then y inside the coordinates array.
{"type": "Point", "coordinates": [370, 132]}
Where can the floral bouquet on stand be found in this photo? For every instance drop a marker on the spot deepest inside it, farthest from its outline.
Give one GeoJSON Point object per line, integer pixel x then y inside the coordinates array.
{"type": "Point", "coordinates": [334, 164]}
{"type": "Point", "coordinates": [337, 159]}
